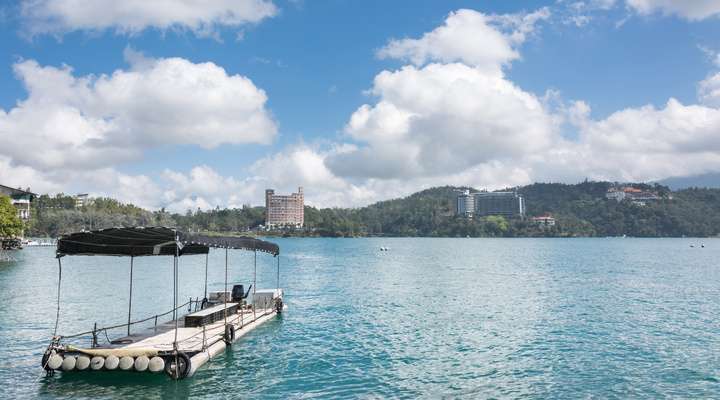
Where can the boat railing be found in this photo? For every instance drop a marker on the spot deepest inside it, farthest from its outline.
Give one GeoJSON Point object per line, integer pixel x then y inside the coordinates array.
{"type": "Point", "coordinates": [257, 310]}
{"type": "Point", "coordinates": [191, 304]}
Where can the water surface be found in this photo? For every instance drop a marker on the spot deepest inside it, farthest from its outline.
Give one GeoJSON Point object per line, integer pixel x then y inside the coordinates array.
{"type": "Point", "coordinates": [504, 318]}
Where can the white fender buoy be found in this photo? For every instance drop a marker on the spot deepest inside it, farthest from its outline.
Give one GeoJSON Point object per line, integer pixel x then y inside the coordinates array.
{"type": "Point", "coordinates": [126, 363]}
{"type": "Point", "coordinates": [111, 362]}
{"type": "Point", "coordinates": [55, 361]}
{"type": "Point", "coordinates": [97, 363]}
{"type": "Point", "coordinates": [68, 363]}
{"type": "Point", "coordinates": [156, 364]}
{"type": "Point", "coordinates": [82, 363]}
{"type": "Point", "coordinates": [141, 363]}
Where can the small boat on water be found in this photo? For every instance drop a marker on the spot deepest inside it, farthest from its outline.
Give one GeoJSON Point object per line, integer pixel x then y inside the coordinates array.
{"type": "Point", "coordinates": [184, 343]}
{"type": "Point", "coordinates": [37, 243]}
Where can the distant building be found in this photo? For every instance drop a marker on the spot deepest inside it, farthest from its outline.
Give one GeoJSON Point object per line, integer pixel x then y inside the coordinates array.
{"type": "Point", "coordinates": [635, 195]}
{"type": "Point", "coordinates": [546, 220]}
{"type": "Point", "coordinates": [466, 204]}
{"type": "Point", "coordinates": [614, 194]}
{"type": "Point", "coordinates": [21, 199]}
{"type": "Point", "coordinates": [81, 200]}
{"type": "Point", "coordinates": [481, 204]}
{"type": "Point", "coordinates": [507, 204]}
{"type": "Point", "coordinates": [284, 210]}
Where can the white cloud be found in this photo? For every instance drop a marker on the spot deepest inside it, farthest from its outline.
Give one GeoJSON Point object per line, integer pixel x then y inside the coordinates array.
{"type": "Point", "coordinates": [133, 16]}
{"type": "Point", "coordinates": [96, 121]}
{"type": "Point", "coordinates": [24, 177]}
{"type": "Point", "coordinates": [709, 90]}
{"type": "Point", "coordinates": [688, 9]}
{"type": "Point", "coordinates": [440, 119]}
{"type": "Point", "coordinates": [487, 42]}
{"type": "Point", "coordinates": [465, 123]}
{"type": "Point", "coordinates": [453, 117]}
{"type": "Point", "coordinates": [644, 143]}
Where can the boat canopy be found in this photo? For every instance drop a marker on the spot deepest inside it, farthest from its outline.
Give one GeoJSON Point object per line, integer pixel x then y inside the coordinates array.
{"type": "Point", "coordinates": [153, 241]}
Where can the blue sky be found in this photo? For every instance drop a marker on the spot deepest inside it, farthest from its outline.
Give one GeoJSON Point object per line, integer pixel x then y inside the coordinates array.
{"type": "Point", "coordinates": [586, 92]}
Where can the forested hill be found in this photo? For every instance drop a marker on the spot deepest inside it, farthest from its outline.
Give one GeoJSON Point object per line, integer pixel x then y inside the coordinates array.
{"type": "Point", "coordinates": [580, 210]}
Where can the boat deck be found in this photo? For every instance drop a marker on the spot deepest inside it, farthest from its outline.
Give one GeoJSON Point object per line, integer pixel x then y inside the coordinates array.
{"type": "Point", "coordinates": [191, 339]}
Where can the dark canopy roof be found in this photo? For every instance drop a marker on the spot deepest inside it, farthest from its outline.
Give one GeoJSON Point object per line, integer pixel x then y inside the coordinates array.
{"type": "Point", "coordinates": [153, 241]}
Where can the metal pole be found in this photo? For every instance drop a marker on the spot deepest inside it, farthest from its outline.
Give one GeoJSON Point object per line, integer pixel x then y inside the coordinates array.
{"type": "Point", "coordinates": [130, 300]}
{"type": "Point", "coordinates": [57, 315]}
{"type": "Point", "coordinates": [175, 284]}
{"type": "Point", "coordinates": [225, 294]}
{"type": "Point", "coordinates": [278, 271]}
{"type": "Point", "coordinates": [254, 283]}
{"type": "Point", "coordinates": [207, 255]}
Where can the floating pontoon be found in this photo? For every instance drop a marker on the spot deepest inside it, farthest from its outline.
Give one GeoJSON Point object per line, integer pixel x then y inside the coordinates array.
{"type": "Point", "coordinates": [184, 343]}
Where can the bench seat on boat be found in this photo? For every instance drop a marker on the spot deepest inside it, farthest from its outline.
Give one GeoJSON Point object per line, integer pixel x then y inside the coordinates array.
{"type": "Point", "coordinates": [210, 314]}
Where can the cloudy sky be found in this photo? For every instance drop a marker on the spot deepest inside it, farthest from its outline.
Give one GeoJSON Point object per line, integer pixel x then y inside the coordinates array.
{"type": "Point", "coordinates": [184, 104]}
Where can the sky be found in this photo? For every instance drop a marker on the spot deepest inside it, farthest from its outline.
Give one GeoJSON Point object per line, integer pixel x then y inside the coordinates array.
{"type": "Point", "coordinates": [201, 104]}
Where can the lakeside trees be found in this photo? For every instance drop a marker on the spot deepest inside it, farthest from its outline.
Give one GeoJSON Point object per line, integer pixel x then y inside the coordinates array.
{"type": "Point", "coordinates": [580, 210]}
{"type": "Point", "coordinates": [10, 224]}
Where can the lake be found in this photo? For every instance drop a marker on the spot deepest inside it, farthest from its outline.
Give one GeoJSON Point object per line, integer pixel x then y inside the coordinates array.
{"type": "Point", "coordinates": [430, 318]}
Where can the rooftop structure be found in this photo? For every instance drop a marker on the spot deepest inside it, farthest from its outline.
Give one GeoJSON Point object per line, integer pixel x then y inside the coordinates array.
{"type": "Point", "coordinates": [284, 210]}
{"type": "Point", "coordinates": [635, 195]}
{"type": "Point", "coordinates": [546, 220]}
{"type": "Point", "coordinates": [21, 199]}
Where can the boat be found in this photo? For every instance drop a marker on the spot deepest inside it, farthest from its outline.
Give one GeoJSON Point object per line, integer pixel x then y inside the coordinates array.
{"type": "Point", "coordinates": [196, 331]}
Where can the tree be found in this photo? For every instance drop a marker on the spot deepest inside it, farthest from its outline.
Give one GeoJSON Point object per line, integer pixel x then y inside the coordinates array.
{"type": "Point", "coordinates": [10, 224]}
{"type": "Point", "coordinates": [497, 225]}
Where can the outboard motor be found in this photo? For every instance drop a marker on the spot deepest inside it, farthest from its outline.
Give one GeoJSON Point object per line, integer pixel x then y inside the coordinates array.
{"type": "Point", "coordinates": [237, 293]}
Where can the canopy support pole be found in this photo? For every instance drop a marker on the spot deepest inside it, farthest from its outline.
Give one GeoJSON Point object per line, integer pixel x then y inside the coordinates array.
{"type": "Point", "coordinates": [130, 299]}
{"type": "Point", "coordinates": [278, 272]}
{"type": "Point", "coordinates": [175, 298]}
{"type": "Point", "coordinates": [225, 293]}
{"type": "Point", "coordinates": [207, 255]}
{"type": "Point", "coordinates": [57, 314]}
{"type": "Point", "coordinates": [254, 281]}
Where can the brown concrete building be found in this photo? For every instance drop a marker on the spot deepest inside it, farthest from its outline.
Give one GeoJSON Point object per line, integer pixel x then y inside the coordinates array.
{"type": "Point", "coordinates": [284, 210]}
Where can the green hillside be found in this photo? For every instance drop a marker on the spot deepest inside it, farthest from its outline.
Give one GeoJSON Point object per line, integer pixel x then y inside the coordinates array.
{"type": "Point", "coordinates": [580, 210]}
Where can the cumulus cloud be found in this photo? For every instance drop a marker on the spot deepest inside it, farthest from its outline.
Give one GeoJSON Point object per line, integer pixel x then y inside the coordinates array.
{"type": "Point", "coordinates": [688, 9]}
{"type": "Point", "coordinates": [452, 117]}
{"type": "Point", "coordinates": [81, 129]}
{"type": "Point", "coordinates": [441, 118]}
{"type": "Point", "coordinates": [133, 16]}
{"type": "Point", "coordinates": [95, 121]}
{"type": "Point", "coordinates": [455, 118]}
{"type": "Point", "coordinates": [709, 90]}
{"type": "Point", "coordinates": [487, 42]}
{"type": "Point", "coordinates": [645, 143]}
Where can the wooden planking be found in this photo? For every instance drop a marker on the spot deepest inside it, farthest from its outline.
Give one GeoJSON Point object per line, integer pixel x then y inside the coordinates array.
{"type": "Point", "coordinates": [190, 339]}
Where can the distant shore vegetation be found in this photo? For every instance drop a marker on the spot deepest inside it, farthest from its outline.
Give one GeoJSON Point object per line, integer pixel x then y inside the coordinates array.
{"type": "Point", "coordinates": [580, 210]}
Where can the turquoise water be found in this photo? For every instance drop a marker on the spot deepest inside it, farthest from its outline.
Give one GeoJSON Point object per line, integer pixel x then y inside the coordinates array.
{"type": "Point", "coordinates": [471, 318]}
